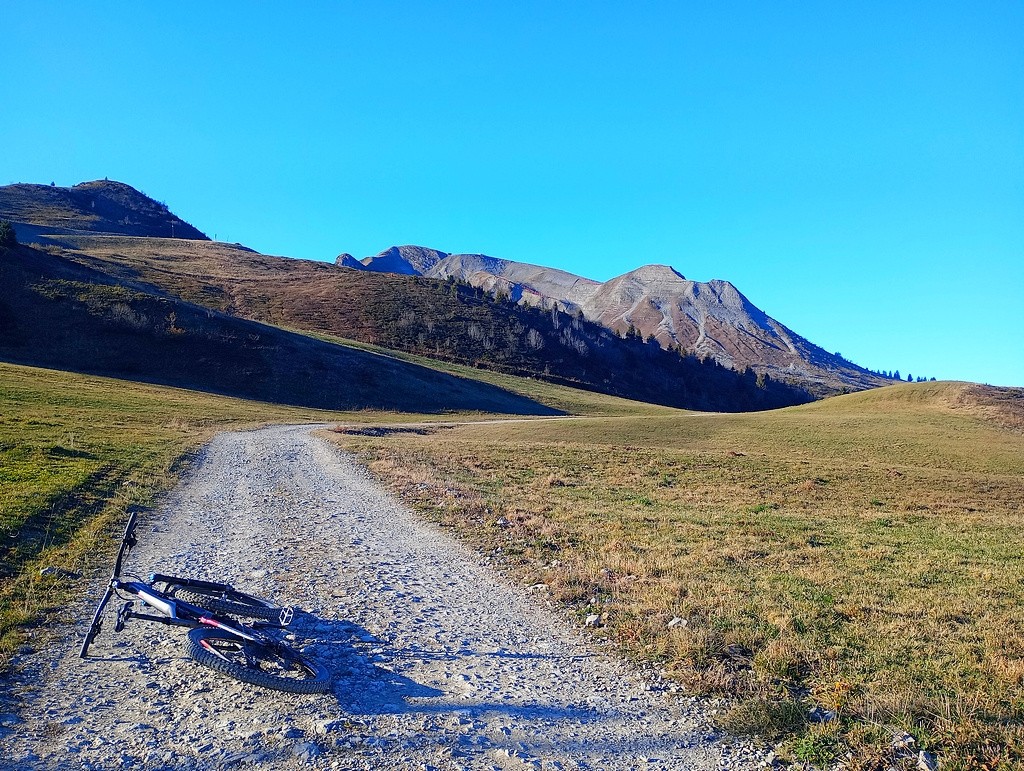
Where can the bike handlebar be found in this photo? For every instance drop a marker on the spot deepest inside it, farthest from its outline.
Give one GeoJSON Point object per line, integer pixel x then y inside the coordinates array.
{"type": "Point", "coordinates": [127, 542]}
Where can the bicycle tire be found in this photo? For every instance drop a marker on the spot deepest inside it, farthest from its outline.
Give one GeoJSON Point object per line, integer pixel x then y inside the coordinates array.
{"type": "Point", "coordinates": [286, 669]}
{"type": "Point", "coordinates": [97, 623]}
{"type": "Point", "coordinates": [231, 602]}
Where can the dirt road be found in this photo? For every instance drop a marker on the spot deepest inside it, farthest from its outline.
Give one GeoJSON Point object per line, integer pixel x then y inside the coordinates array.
{"type": "Point", "coordinates": [438, 662]}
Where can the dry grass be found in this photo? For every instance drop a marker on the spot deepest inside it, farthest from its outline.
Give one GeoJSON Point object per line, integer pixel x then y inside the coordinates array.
{"type": "Point", "coordinates": [75, 451]}
{"type": "Point", "coordinates": [860, 554]}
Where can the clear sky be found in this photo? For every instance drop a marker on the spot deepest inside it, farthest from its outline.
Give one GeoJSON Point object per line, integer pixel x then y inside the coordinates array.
{"type": "Point", "coordinates": [856, 169]}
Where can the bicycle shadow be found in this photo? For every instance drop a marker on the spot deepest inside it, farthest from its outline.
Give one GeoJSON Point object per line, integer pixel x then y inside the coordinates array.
{"type": "Point", "coordinates": [367, 680]}
{"type": "Point", "coordinates": [496, 724]}
{"type": "Point", "coordinates": [362, 684]}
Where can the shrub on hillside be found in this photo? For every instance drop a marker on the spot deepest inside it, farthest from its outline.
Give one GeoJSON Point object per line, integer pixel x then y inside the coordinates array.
{"type": "Point", "coordinates": [7, 236]}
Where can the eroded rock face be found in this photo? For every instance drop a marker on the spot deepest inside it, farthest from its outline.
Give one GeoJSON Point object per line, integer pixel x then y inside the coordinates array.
{"type": "Point", "coordinates": [709, 319]}
{"type": "Point", "coordinates": [406, 260]}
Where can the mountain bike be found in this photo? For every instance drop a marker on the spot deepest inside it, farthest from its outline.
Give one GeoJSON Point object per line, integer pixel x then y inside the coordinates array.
{"type": "Point", "coordinates": [216, 640]}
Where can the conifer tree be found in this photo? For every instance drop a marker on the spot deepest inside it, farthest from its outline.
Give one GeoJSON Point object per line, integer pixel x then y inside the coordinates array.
{"type": "Point", "coordinates": [7, 235]}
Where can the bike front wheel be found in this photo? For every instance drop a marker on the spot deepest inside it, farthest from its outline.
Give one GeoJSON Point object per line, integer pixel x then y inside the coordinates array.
{"type": "Point", "coordinates": [269, 665]}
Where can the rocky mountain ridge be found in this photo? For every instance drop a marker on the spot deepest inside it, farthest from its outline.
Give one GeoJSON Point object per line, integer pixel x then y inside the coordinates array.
{"type": "Point", "coordinates": [709, 319]}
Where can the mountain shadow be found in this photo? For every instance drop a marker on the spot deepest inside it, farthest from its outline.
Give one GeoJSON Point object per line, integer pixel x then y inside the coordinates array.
{"type": "Point", "coordinates": [57, 314]}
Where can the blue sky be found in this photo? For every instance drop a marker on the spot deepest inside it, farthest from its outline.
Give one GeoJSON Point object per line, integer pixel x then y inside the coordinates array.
{"type": "Point", "coordinates": [856, 169]}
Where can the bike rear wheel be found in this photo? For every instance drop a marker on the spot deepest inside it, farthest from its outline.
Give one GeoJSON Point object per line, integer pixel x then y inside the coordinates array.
{"type": "Point", "coordinates": [231, 602]}
{"type": "Point", "coordinates": [270, 665]}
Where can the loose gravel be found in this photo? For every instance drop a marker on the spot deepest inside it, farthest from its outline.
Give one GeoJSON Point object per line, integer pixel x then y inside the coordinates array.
{"type": "Point", "coordinates": [438, 662]}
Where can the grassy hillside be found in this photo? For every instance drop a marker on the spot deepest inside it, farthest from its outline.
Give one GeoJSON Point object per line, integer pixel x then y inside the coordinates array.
{"type": "Point", "coordinates": [74, 452]}
{"type": "Point", "coordinates": [861, 555]}
{"type": "Point", "coordinates": [444, 321]}
{"type": "Point", "coordinates": [57, 313]}
{"type": "Point", "coordinates": [98, 206]}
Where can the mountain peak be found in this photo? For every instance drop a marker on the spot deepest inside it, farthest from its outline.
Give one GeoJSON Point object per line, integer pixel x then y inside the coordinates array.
{"type": "Point", "coordinates": [110, 186]}
{"type": "Point", "coordinates": [408, 260]}
{"type": "Point", "coordinates": [706, 318]}
{"type": "Point", "coordinates": [655, 274]}
{"type": "Point", "coordinates": [346, 260]}
{"type": "Point", "coordinates": [99, 206]}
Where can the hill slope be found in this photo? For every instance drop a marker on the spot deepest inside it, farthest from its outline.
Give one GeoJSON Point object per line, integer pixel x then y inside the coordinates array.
{"type": "Point", "coordinates": [60, 314]}
{"type": "Point", "coordinates": [100, 206]}
{"type": "Point", "coordinates": [1002, 407]}
{"type": "Point", "coordinates": [443, 320]}
{"type": "Point", "coordinates": [388, 301]}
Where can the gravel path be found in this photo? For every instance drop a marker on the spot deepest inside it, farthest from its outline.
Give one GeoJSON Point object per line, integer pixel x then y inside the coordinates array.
{"type": "Point", "coordinates": [438, 662]}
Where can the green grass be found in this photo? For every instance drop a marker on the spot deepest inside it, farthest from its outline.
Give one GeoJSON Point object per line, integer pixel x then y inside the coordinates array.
{"type": "Point", "coordinates": [75, 451]}
{"type": "Point", "coordinates": [862, 554]}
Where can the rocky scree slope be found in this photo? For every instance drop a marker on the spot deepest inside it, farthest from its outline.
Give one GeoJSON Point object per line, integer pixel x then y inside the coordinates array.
{"type": "Point", "coordinates": [706, 318]}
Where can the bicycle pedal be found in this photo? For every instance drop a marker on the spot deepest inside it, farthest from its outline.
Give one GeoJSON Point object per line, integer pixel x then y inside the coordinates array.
{"type": "Point", "coordinates": [123, 615]}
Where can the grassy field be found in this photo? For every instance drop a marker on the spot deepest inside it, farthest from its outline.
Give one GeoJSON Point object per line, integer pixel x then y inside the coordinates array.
{"type": "Point", "coordinates": [75, 451]}
{"type": "Point", "coordinates": [861, 555]}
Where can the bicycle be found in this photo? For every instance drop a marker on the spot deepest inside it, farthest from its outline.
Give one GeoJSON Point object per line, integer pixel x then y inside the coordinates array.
{"type": "Point", "coordinates": [215, 640]}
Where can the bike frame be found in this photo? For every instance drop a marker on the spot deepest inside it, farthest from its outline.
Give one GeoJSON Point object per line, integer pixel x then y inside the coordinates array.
{"type": "Point", "coordinates": [173, 611]}
{"type": "Point", "coordinates": [177, 612]}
